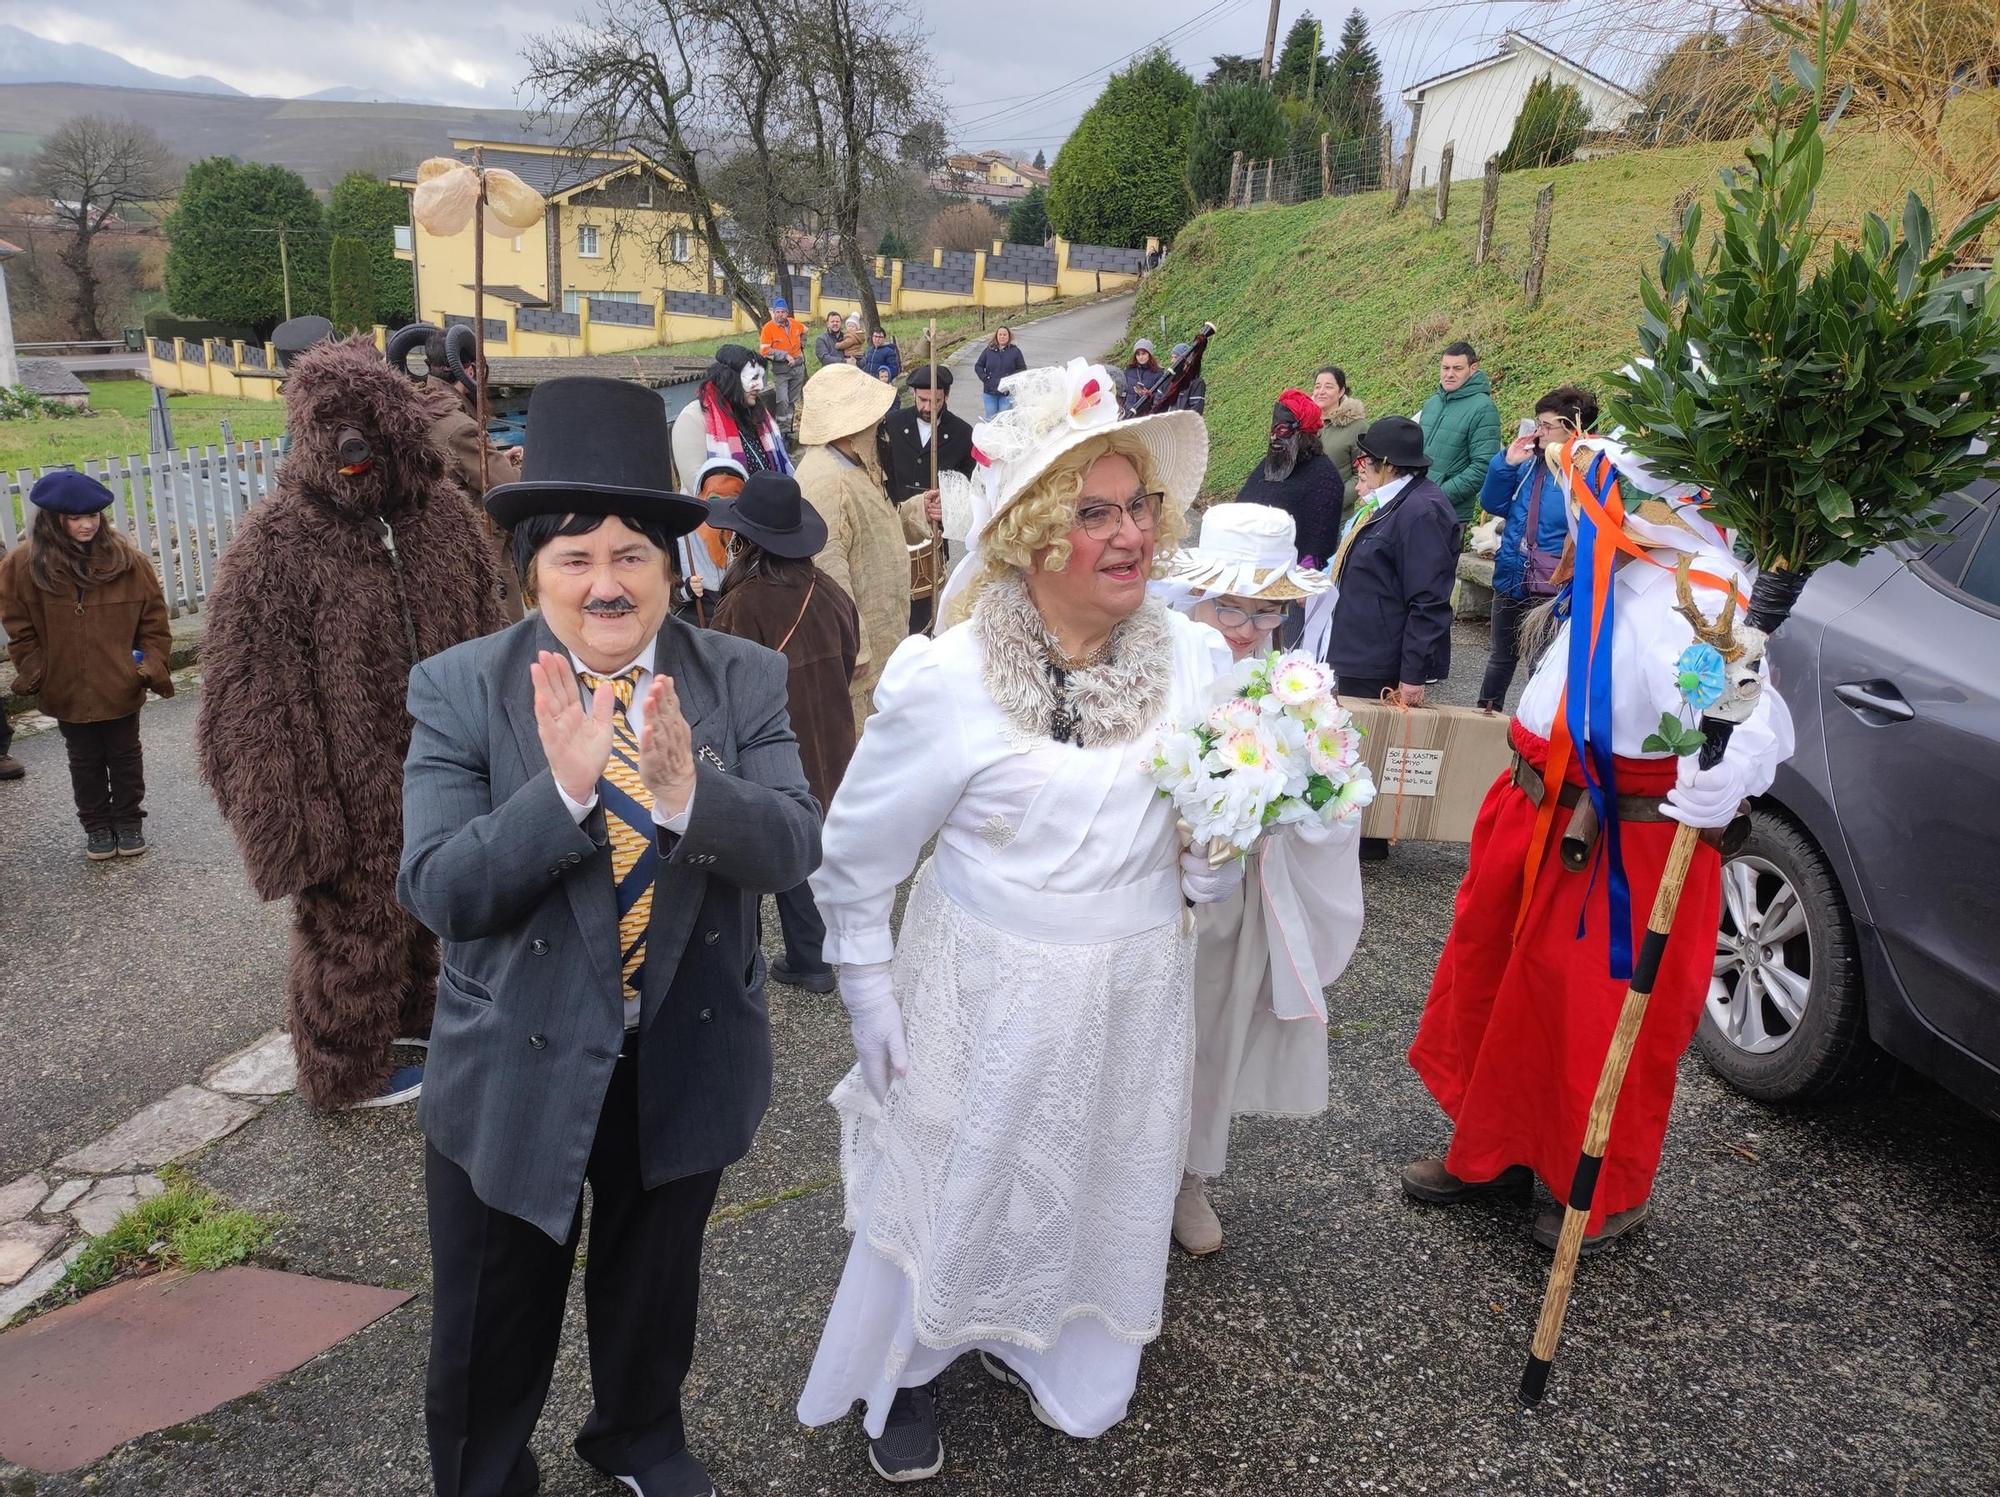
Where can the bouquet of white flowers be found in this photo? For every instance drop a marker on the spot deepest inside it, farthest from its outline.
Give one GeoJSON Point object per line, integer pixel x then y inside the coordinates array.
{"type": "Point", "coordinates": [1278, 749]}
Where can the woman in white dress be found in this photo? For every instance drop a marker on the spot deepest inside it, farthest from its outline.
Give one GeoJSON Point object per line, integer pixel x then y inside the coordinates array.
{"type": "Point", "coordinates": [1014, 1128]}
{"type": "Point", "coordinates": [1266, 952]}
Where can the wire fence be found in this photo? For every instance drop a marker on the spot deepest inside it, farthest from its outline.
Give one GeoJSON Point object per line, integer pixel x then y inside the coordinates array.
{"type": "Point", "coordinates": [1331, 169]}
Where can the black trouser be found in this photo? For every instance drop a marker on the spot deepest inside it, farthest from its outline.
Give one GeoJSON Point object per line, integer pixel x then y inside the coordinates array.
{"type": "Point", "coordinates": [107, 772]}
{"type": "Point", "coordinates": [498, 1288]}
{"type": "Point", "coordinates": [1505, 652]}
{"type": "Point", "coordinates": [6, 731]}
{"type": "Point", "coordinates": [1368, 689]}
{"type": "Point", "coordinates": [804, 930]}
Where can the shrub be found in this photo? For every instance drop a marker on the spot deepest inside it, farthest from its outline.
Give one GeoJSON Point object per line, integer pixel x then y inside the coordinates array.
{"type": "Point", "coordinates": [1122, 174]}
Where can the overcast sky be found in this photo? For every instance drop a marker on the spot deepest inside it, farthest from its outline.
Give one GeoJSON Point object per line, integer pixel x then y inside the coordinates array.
{"type": "Point", "coordinates": [1017, 73]}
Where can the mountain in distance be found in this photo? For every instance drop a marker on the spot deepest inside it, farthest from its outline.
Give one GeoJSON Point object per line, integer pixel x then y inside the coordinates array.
{"type": "Point", "coordinates": [27, 58]}
{"type": "Point", "coordinates": [348, 94]}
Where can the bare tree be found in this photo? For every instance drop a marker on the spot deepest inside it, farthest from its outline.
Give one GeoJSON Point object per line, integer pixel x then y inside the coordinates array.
{"type": "Point", "coordinates": [869, 111]}
{"type": "Point", "coordinates": [653, 75]}
{"type": "Point", "coordinates": [91, 168]}
{"type": "Point", "coordinates": [965, 226]}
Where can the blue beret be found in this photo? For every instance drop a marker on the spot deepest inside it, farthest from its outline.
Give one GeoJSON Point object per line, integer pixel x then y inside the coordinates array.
{"type": "Point", "coordinates": [69, 493]}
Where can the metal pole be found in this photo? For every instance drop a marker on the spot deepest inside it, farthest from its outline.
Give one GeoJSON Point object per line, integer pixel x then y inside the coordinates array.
{"type": "Point", "coordinates": [936, 529]}
{"type": "Point", "coordinates": [285, 271]}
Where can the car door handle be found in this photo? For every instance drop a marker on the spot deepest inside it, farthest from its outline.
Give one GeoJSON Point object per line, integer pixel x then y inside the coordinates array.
{"type": "Point", "coordinates": [1878, 698]}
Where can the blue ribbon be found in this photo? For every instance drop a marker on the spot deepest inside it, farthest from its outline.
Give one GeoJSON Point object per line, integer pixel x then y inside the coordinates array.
{"type": "Point", "coordinates": [1589, 715]}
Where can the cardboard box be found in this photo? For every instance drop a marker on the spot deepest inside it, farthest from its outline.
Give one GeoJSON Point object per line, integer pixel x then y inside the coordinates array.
{"type": "Point", "coordinates": [1435, 764]}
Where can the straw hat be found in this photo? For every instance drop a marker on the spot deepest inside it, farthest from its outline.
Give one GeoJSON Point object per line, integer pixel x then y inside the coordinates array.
{"type": "Point", "coordinates": [1246, 551]}
{"type": "Point", "coordinates": [1056, 410]}
{"type": "Point", "coordinates": [842, 400]}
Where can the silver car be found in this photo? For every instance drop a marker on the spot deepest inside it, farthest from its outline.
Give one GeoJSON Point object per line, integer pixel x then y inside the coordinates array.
{"type": "Point", "coordinates": [1861, 919]}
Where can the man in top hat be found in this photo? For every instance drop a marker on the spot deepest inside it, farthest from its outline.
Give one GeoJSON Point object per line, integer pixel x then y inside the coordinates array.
{"type": "Point", "coordinates": [593, 802]}
{"type": "Point", "coordinates": [906, 461]}
{"type": "Point", "coordinates": [866, 551]}
{"type": "Point", "coordinates": [1394, 571]}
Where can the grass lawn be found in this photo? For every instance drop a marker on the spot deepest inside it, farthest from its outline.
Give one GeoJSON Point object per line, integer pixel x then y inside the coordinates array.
{"type": "Point", "coordinates": [117, 426]}
{"type": "Point", "coordinates": [1339, 281]}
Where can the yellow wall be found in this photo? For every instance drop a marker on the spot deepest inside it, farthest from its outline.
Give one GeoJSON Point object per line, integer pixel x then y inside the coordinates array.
{"type": "Point", "coordinates": [628, 240]}
{"type": "Point", "coordinates": [444, 270]}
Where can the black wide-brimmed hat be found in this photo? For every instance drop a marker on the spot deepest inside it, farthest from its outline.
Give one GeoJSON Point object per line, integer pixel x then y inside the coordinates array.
{"type": "Point", "coordinates": [772, 512]}
{"type": "Point", "coordinates": [596, 447]}
{"type": "Point", "coordinates": [1397, 441]}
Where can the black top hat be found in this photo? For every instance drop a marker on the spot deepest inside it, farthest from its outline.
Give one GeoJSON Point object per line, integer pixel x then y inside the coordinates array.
{"type": "Point", "coordinates": [290, 339]}
{"type": "Point", "coordinates": [596, 447]}
{"type": "Point", "coordinates": [771, 512]}
{"type": "Point", "coordinates": [1397, 441]}
{"type": "Point", "coordinates": [920, 377]}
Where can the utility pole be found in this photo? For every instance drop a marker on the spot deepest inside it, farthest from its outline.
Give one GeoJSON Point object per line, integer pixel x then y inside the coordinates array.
{"type": "Point", "coordinates": [285, 270]}
{"type": "Point", "coordinates": [1270, 45]}
{"type": "Point", "coordinates": [1312, 72]}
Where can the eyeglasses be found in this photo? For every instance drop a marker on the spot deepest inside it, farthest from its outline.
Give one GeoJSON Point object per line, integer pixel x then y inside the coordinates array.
{"type": "Point", "coordinates": [1101, 519]}
{"type": "Point", "coordinates": [1236, 618]}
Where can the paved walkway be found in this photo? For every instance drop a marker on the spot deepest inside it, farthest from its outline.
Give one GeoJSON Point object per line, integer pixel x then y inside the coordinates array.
{"type": "Point", "coordinates": [1087, 332]}
{"type": "Point", "coordinates": [1812, 1309]}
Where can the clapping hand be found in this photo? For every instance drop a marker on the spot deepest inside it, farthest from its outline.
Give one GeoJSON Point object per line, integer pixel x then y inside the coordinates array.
{"type": "Point", "coordinates": [666, 752]}
{"type": "Point", "coordinates": [576, 743]}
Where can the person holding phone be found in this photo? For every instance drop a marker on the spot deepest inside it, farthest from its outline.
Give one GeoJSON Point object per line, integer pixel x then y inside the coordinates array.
{"type": "Point", "coordinates": [1521, 490]}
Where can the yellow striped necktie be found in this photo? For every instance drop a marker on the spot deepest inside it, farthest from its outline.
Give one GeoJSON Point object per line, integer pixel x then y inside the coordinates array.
{"type": "Point", "coordinates": [628, 818]}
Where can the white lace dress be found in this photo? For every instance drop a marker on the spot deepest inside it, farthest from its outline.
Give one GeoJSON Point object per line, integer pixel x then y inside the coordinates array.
{"type": "Point", "coordinates": [1016, 1192]}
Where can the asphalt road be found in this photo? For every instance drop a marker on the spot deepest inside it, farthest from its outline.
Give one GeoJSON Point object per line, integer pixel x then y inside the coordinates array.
{"type": "Point", "coordinates": [126, 978]}
{"type": "Point", "coordinates": [1816, 1307]}
{"type": "Point", "coordinates": [1088, 332]}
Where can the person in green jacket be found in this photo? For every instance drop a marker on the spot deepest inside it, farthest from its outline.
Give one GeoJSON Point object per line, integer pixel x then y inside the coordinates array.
{"type": "Point", "coordinates": [1461, 428]}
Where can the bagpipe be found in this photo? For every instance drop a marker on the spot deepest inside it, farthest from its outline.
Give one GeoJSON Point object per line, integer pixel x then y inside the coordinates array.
{"type": "Point", "coordinates": [1184, 373]}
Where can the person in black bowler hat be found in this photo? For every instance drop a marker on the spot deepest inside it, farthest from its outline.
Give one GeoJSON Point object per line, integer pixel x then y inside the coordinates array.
{"type": "Point", "coordinates": [1394, 569]}
{"type": "Point", "coordinates": [777, 597]}
{"type": "Point", "coordinates": [594, 802]}
{"type": "Point", "coordinates": [905, 449]}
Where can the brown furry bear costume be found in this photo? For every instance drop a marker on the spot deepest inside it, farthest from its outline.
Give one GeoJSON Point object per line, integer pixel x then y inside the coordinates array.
{"type": "Point", "coordinates": [364, 561]}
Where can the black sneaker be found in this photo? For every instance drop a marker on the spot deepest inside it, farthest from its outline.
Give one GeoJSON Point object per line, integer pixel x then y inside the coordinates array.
{"type": "Point", "coordinates": [131, 842]}
{"type": "Point", "coordinates": [101, 846]}
{"type": "Point", "coordinates": [11, 768]}
{"type": "Point", "coordinates": [909, 1448]}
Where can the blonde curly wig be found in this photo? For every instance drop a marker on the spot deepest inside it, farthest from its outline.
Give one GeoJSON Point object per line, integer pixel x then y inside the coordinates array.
{"type": "Point", "coordinates": [1040, 521]}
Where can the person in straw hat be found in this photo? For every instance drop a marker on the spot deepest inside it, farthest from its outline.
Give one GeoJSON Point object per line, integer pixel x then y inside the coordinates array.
{"type": "Point", "coordinates": [1266, 953]}
{"type": "Point", "coordinates": [1012, 1131]}
{"type": "Point", "coordinates": [866, 552]}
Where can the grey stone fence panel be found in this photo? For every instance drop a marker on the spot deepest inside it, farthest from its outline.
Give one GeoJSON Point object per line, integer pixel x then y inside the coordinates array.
{"type": "Point", "coordinates": [621, 313]}
{"type": "Point", "coordinates": [540, 320]}
{"type": "Point", "coordinates": [839, 283]}
{"type": "Point", "coordinates": [253, 356]}
{"type": "Point", "coordinates": [695, 304]}
{"type": "Point", "coordinates": [951, 279]}
{"type": "Point", "coordinates": [192, 351]}
{"type": "Point", "coordinates": [219, 353]}
{"type": "Point", "coordinates": [163, 348]}
{"type": "Point", "coordinates": [1104, 257]}
{"type": "Point", "coordinates": [496, 328]}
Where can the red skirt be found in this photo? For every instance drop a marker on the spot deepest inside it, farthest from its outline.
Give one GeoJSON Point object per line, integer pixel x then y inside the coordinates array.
{"type": "Point", "coordinates": [1515, 1032]}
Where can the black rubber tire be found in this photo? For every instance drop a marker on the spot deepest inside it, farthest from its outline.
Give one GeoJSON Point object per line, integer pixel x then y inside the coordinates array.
{"type": "Point", "coordinates": [1831, 1057]}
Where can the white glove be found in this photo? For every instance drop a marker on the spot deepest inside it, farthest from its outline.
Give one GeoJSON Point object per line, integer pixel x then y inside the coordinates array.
{"type": "Point", "coordinates": [1706, 797]}
{"type": "Point", "coordinates": [1205, 885]}
{"type": "Point", "coordinates": [875, 1022]}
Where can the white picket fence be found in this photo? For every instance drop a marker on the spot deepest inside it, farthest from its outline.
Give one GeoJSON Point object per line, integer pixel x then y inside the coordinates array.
{"type": "Point", "coordinates": [180, 507]}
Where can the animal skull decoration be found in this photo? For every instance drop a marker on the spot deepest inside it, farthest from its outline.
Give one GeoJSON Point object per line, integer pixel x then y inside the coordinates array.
{"type": "Point", "coordinates": [1740, 645]}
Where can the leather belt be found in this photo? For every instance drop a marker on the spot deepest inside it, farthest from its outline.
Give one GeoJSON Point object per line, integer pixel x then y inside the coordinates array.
{"type": "Point", "coordinates": [1580, 831]}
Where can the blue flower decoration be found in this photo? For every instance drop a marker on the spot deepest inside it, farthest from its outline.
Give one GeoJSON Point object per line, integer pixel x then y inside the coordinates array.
{"type": "Point", "coordinates": [1701, 676]}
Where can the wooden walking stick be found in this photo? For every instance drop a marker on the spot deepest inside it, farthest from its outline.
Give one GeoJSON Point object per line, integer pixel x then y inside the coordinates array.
{"type": "Point", "coordinates": [1767, 612]}
{"type": "Point", "coordinates": [937, 530]}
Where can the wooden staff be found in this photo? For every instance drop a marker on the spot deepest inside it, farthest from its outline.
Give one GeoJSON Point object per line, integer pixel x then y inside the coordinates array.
{"type": "Point", "coordinates": [937, 530]}
{"type": "Point", "coordinates": [1597, 1132]}
{"type": "Point", "coordinates": [1716, 732]}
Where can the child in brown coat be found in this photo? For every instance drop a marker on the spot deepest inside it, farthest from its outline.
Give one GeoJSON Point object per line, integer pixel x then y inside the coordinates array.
{"type": "Point", "coordinates": [87, 629]}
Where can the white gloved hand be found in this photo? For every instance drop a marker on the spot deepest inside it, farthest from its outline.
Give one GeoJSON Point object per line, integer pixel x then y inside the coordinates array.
{"type": "Point", "coordinates": [876, 1023]}
{"type": "Point", "coordinates": [1205, 885]}
{"type": "Point", "coordinates": [1706, 797]}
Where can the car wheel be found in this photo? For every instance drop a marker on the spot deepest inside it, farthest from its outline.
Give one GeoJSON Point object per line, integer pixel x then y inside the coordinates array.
{"type": "Point", "coordinates": [1785, 1019]}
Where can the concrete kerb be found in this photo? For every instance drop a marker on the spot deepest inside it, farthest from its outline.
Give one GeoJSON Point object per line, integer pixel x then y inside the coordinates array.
{"type": "Point", "coordinates": [48, 1214]}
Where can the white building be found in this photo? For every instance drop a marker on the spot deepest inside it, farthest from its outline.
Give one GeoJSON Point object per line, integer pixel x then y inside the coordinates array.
{"type": "Point", "coordinates": [1473, 108]}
